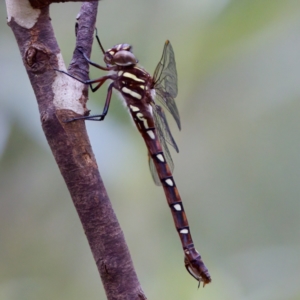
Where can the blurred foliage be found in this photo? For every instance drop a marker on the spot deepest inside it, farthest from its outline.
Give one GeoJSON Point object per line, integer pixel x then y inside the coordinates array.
{"type": "Point", "coordinates": [238, 169]}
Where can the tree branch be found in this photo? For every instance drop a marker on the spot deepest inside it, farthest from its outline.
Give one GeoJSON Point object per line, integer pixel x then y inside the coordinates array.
{"type": "Point", "coordinates": [59, 98]}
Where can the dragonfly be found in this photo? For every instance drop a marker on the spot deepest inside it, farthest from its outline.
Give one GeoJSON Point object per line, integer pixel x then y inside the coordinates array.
{"type": "Point", "coordinates": [141, 93]}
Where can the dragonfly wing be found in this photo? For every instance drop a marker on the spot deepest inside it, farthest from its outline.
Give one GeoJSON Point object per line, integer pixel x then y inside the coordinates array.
{"type": "Point", "coordinates": [165, 137]}
{"type": "Point", "coordinates": [166, 72]}
{"type": "Point", "coordinates": [165, 81]}
{"type": "Point", "coordinates": [153, 171]}
{"type": "Point", "coordinates": [162, 127]}
{"type": "Point", "coordinates": [168, 102]}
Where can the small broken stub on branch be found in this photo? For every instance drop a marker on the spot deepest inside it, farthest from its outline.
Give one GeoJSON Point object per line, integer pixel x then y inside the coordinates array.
{"type": "Point", "coordinates": [37, 58]}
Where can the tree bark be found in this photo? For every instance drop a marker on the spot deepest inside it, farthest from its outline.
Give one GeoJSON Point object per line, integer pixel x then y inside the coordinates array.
{"type": "Point", "coordinates": [59, 98]}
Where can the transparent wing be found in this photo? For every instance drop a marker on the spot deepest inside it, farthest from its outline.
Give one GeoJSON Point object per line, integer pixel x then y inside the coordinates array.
{"type": "Point", "coordinates": [153, 171]}
{"type": "Point", "coordinates": [165, 72]}
{"type": "Point", "coordinates": [162, 127]}
{"type": "Point", "coordinates": [169, 103]}
{"type": "Point", "coordinates": [165, 137]}
{"type": "Point", "coordinates": [165, 81]}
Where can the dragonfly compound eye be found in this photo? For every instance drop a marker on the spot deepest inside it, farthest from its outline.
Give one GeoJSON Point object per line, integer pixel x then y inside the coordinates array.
{"type": "Point", "coordinates": [124, 58]}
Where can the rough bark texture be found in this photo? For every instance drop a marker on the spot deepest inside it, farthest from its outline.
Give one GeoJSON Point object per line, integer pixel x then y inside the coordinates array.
{"type": "Point", "coordinates": [72, 150]}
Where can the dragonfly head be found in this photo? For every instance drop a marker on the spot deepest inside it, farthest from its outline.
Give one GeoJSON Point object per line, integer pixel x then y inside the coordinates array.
{"type": "Point", "coordinates": [120, 55]}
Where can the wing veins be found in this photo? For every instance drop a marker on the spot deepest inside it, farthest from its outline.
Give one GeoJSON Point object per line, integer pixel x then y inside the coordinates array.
{"type": "Point", "coordinates": [165, 137]}
{"type": "Point", "coordinates": [165, 81]}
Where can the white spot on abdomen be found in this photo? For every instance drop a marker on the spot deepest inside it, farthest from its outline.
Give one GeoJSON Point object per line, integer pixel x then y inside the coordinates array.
{"type": "Point", "coordinates": [160, 157]}
{"type": "Point", "coordinates": [169, 182]}
{"type": "Point", "coordinates": [184, 231]}
{"type": "Point", "coordinates": [141, 118]}
{"type": "Point", "coordinates": [151, 134]}
{"type": "Point", "coordinates": [177, 207]}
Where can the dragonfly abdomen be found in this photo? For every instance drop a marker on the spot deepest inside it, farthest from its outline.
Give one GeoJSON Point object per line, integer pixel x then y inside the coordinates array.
{"type": "Point", "coordinates": [173, 198]}
{"type": "Point", "coordinates": [193, 261]}
{"type": "Point", "coordinates": [143, 119]}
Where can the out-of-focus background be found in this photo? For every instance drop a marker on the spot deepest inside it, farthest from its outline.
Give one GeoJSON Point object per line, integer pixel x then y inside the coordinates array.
{"type": "Point", "coordinates": [238, 169]}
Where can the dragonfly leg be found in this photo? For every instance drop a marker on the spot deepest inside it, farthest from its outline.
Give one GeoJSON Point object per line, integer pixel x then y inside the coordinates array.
{"type": "Point", "coordinates": [94, 64]}
{"type": "Point", "coordinates": [100, 80]}
{"type": "Point", "coordinates": [70, 75]}
{"type": "Point", "coordinates": [105, 109]}
{"type": "Point", "coordinates": [98, 40]}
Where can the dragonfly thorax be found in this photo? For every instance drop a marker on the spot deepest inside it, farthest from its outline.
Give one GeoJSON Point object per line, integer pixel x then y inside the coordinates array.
{"type": "Point", "coordinates": [120, 55]}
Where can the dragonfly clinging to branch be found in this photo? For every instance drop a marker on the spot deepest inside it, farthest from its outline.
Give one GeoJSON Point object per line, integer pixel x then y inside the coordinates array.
{"type": "Point", "coordinates": [141, 93]}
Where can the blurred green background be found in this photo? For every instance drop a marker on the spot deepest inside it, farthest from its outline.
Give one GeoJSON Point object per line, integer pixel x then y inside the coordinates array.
{"type": "Point", "coordinates": [238, 169]}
